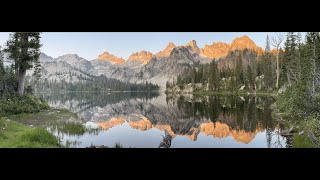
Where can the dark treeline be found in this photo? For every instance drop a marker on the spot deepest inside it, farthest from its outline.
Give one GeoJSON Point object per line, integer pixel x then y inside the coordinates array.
{"type": "Point", "coordinates": [240, 69]}
{"type": "Point", "coordinates": [87, 100]}
{"type": "Point", "coordinates": [93, 83]}
{"type": "Point", "coordinates": [247, 113]}
{"type": "Point", "coordinates": [8, 81]}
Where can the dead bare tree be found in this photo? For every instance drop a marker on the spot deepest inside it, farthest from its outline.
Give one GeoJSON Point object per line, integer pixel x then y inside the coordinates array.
{"type": "Point", "coordinates": [276, 42]}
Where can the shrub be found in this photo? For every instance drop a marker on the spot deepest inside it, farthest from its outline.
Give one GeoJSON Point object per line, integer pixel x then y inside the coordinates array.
{"type": "Point", "coordinates": [11, 104]}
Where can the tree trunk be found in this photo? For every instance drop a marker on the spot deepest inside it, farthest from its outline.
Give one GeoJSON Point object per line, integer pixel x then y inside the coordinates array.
{"type": "Point", "coordinates": [22, 70]}
{"type": "Point", "coordinates": [21, 80]}
{"type": "Point", "coordinates": [313, 69]}
{"type": "Point", "coordinates": [277, 70]}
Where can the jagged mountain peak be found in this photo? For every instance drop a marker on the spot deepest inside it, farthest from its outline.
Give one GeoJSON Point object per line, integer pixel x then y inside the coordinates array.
{"type": "Point", "coordinates": [216, 50]}
{"type": "Point", "coordinates": [142, 56]}
{"type": "Point", "coordinates": [221, 49]}
{"type": "Point", "coordinates": [70, 55]}
{"type": "Point", "coordinates": [106, 56]}
{"type": "Point", "coordinates": [171, 44]}
{"type": "Point", "coordinates": [45, 58]}
{"type": "Point", "coordinates": [242, 43]}
{"type": "Point", "coordinates": [192, 45]}
{"type": "Point", "coordinates": [182, 53]}
{"type": "Point", "coordinates": [167, 50]}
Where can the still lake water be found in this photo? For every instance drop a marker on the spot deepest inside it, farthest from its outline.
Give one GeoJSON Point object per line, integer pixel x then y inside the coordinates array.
{"type": "Point", "coordinates": [142, 120]}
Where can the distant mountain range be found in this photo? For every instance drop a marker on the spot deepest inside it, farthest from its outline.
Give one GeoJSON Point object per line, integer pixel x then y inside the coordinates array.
{"type": "Point", "coordinates": [214, 51]}
{"type": "Point", "coordinates": [141, 66]}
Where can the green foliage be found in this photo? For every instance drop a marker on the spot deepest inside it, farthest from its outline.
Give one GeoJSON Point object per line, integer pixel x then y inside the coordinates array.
{"type": "Point", "coordinates": [300, 100]}
{"type": "Point", "coordinates": [249, 112]}
{"type": "Point", "coordinates": [290, 68]}
{"type": "Point", "coordinates": [242, 68]}
{"type": "Point", "coordinates": [302, 141]}
{"type": "Point", "coordinates": [250, 77]}
{"type": "Point", "coordinates": [93, 83]}
{"type": "Point", "coordinates": [24, 49]}
{"type": "Point", "coordinates": [68, 128]}
{"type": "Point", "coordinates": [16, 135]}
{"type": "Point", "coordinates": [2, 72]}
{"type": "Point", "coordinates": [11, 104]}
{"type": "Point", "coordinates": [291, 103]}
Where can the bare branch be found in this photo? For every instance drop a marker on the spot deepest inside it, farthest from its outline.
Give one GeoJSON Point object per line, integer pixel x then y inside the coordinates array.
{"type": "Point", "coordinates": [277, 39]}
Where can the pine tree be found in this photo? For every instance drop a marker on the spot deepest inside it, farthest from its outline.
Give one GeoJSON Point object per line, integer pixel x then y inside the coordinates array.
{"type": "Point", "coordinates": [250, 77]}
{"type": "Point", "coordinates": [268, 76]}
{"type": "Point", "coordinates": [239, 72]}
{"type": "Point", "coordinates": [311, 61]}
{"type": "Point", "coordinates": [214, 79]}
{"type": "Point", "coordinates": [267, 50]}
{"type": "Point", "coordinates": [24, 50]}
{"type": "Point", "coordinates": [2, 72]}
{"type": "Point", "coordinates": [290, 65]}
{"type": "Point", "coordinates": [200, 74]}
{"type": "Point", "coordinates": [217, 77]}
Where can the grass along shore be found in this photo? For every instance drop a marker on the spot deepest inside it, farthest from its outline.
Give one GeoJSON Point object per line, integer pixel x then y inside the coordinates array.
{"type": "Point", "coordinates": [17, 135]}
{"type": "Point", "coordinates": [23, 122]}
{"type": "Point", "coordinates": [29, 130]}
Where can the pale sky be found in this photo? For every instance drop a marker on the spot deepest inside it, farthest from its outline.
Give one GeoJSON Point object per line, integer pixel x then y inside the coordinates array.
{"type": "Point", "coordinates": [90, 45]}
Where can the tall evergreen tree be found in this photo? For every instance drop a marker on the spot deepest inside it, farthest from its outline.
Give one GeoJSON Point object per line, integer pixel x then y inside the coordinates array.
{"type": "Point", "coordinates": [24, 49]}
{"type": "Point", "coordinates": [268, 75]}
{"type": "Point", "coordinates": [290, 65]}
{"type": "Point", "coordinates": [267, 50]}
{"type": "Point", "coordinates": [2, 72]}
{"type": "Point", "coordinates": [250, 78]}
{"type": "Point", "coordinates": [311, 61]}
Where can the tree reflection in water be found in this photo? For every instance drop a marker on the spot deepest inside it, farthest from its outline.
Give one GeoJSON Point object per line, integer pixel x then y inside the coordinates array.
{"type": "Point", "coordinates": [241, 118]}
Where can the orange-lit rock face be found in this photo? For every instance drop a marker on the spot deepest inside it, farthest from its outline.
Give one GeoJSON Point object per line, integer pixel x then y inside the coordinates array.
{"type": "Point", "coordinates": [142, 125]}
{"type": "Point", "coordinates": [220, 130]}
{"type": "Point", "coordinates": [243, 42]}
{"type": "Point", "coordinates": [166, 52]}
{"type": "Point", "coordinates": [220, 49]}
{"type": "Point", "coordinates": [217, 130]}
{"type": "Point", "coordinates": [216, 50]}
{"type": "Point", "coordinates": [142, 56]}
{"type": "Point", "coordinates": [110, 57]}
{"type": "Point", "coordinates": [242, 136]}
{"type": "Point", "coordinates": [192, 45]}
{"type": "Point", "coordinates": [111, 123]}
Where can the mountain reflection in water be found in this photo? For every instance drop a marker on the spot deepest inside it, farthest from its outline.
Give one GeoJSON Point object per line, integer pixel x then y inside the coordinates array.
{"type": "Point", "coordinates": [141, 120]}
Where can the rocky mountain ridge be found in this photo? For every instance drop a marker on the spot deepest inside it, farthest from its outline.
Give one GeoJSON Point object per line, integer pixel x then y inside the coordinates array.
{"type": "Point", "coordinates": [142, 66]}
